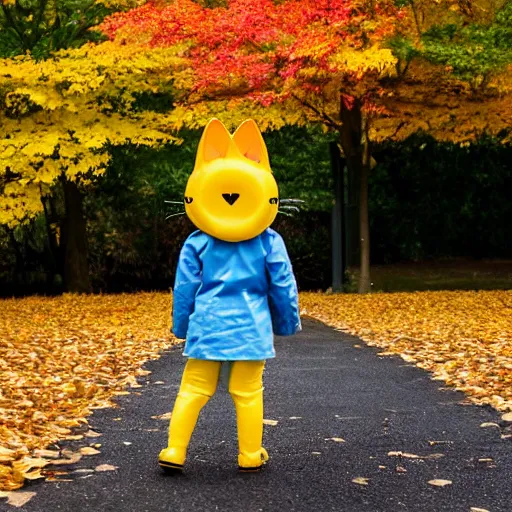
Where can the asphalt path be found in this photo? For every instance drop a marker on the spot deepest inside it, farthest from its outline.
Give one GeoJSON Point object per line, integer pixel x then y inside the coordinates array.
{"type": "Point", "coordinates": [340, 410]}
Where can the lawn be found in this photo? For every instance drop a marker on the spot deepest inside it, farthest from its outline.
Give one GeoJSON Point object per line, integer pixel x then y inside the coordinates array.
{"type": "Point", "coordinates": [62, 357]}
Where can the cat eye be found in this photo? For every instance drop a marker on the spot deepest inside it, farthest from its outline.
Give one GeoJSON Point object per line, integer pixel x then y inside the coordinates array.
{"type": "Point", "coordinates": [273, 200]}
{"type": "Point", "coordinates": [188, 200]}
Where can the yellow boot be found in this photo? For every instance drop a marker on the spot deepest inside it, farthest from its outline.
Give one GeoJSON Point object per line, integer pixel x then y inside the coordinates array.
{"type": "Point", "coordinates": [246, 389]}
{"type": "Point", "coordinates": [197, 387]}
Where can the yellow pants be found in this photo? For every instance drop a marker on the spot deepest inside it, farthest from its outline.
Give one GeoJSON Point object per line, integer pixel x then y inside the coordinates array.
{"type": "Point", "coordinates": [198, 385]}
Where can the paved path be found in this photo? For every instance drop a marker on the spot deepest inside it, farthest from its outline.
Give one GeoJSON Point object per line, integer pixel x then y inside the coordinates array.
{"type": "Point", "coordinates": [324, 384]}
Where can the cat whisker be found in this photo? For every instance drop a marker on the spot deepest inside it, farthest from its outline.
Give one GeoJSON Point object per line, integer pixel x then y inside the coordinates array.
{"type": "Point", "coordinates": [174, 215]}
{"type": "Point", "coordinates": [173, 202]}
{"type": "Point", "coordinates": [291, 201]}
{"type": "Point", "coordinates": [294, 208]}
{"type": "Point", "coordinates": [286, 214]}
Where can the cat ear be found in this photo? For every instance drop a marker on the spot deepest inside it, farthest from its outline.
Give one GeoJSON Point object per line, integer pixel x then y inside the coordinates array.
{"type": "Point", "coordinates": [214, 142]}
{"type": "Point", "coordinates": [250, 143]}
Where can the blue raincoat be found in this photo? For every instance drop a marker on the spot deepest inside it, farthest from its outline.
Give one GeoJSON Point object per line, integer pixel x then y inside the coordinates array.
{"type": "Point", "coordinates": [230, 298]}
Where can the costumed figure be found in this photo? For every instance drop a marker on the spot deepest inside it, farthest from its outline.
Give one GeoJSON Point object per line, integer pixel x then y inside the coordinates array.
{"type": "Point", "coordinates": [234, 288]}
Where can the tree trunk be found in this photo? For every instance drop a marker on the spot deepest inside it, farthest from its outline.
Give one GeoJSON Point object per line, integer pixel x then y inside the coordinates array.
{"type": "Point", "coordinates": [354, 141]}
{"type": "Point", "coordinates": [76, 266]}
{"type": "Point", "coordinates": [52, 245]}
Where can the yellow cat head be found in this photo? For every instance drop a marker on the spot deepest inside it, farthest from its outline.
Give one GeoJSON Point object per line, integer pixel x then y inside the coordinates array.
{"type": "Point", "coordinates": [232, 194]}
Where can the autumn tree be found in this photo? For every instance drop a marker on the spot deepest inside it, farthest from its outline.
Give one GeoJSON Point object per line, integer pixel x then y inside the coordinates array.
{"type": "Point", "coordinates": [369, 71]}
{"type": "Point", "coordinates": [58, 114]}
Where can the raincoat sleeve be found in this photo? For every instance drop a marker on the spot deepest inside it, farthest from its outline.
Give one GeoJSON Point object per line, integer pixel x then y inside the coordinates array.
{"type": "Point", "coordinates": [283, 295]}
{"type": "Point", "coordinates": [188, 280]}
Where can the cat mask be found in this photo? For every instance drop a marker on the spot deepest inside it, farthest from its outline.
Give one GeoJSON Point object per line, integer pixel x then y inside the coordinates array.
{"type": "Point", "coordinates": [231, 193]}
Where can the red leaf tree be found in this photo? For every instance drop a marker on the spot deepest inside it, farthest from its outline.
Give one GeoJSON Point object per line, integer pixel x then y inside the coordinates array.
{"type": "Point", "coordinates": [346, 64]}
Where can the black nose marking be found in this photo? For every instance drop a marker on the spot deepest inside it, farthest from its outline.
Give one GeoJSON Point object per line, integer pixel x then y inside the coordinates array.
{"type": "Point", "coordinates": [231, 198]}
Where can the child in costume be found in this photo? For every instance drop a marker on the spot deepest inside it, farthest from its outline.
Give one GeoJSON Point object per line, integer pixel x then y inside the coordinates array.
{"type": "Point", "coordinates": [234, 288]}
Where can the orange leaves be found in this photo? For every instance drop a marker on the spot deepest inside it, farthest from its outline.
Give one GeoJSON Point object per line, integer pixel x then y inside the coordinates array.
{"type": "Point", "coordinates": [463, 338]}
{"type": "Point", "coordinates": [260, 50]}
{"type": "Point", "coordinates": [60, 358]}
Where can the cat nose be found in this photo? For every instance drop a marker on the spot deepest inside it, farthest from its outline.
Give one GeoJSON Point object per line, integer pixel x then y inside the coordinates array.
{"type": "Point", "coordinates": [230, 198]}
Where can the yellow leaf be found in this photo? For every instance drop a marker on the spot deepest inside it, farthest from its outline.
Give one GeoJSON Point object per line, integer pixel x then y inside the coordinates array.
{"type": "Point", "coordinates": [440, 482]}
{"type": "Point", "coordinates": [361, 480]}
{"type": "Point", "coordinates": [72, 460]}
{"type": "Point", "coordinates": [92, 433]}
{"type": "Point", "coordinates": [105, 467]}
{"type": "Point", "coordinates": [270, 422]}
{"type": "Point", "coordinates": [87, 450]}
{"type": "Point", "coordinates": [6, 454]}
{"type": "Point", "coordinates": [507, 416]}
{"type": "Point", "coordinates": [166, 416]}
{"type": "Point", "coordinates": [47, 454]}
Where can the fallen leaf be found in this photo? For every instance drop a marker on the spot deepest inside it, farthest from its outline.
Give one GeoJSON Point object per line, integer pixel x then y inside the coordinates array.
{"type": "Point", "coordinates": [75, 457]}
{"type": "Point", "coordinates": [166, 416]}
{"type": "Point", "coordinates": [6, 454]}
{"type": "Point", "coordinates": [19, 498]}
{"type": "Point", "coordinates": [121, 393]}
{"type": "Point", "coordinates": [33, 475]}
{"type": "Point", "coordinates": [92, 433]}
{"type": "Point", "coordinates": [476, 509]}
{"type": "Point", "coordinates": [406, 455]}
{"type": "Point", "coordinates": [295, 417]}
{"type": "Point", "coordinates": [487, 459]}
{"type": "Point", "coordinates": [27, 463]}
{"type": "Point", "coordinates": [47, 454]}
{"type": "Point", "coordinates": [159, 382]}
{"type": "Point", "coordinates": [432, 443]}
{"type": "Point", "coordinates": [74, 438]}
{"type": "Point", "coordinates": [84, 470]}
{"type": "Point", "coordinates": [360, 480]}
{"type": "Point", "coordinates": [382, 467]}
{"type": "Point", "coordinates": [336, 439]}
{"type": "Point", "coordinates": [127, 443]}
{"type": "Point", "coordinates": [105, 467]}
{"type": "Point", "coordinates": [52, 479]}
{"type": "Point", "coordinates": [440, 482]}
{"type": "Point", "coordinates": [489, 424]}
{"type": "Point", "coordinates": [270, 422]}
{"type": "Point", "coordinates": [507, 416]}
{"type": "Point", "coordinates": [401, 469]}
{"type": "Point", "coordinates": [88, 450]}
{"type": "Point", "coordinates": [316, 453]}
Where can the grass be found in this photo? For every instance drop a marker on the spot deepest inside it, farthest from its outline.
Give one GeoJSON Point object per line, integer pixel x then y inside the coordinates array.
{"type": "Point", "coordinates": [456, 274]}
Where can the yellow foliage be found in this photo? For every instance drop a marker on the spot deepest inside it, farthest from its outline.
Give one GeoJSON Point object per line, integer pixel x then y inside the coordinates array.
{"type": "Point", "coordinates": [360, 62]}
{"type": "Point", "coordinates": [59, 116]}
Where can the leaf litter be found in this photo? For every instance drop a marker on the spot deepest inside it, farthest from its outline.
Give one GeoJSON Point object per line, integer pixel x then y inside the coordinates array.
{"type": "Point", "coordinates": [63, 357]}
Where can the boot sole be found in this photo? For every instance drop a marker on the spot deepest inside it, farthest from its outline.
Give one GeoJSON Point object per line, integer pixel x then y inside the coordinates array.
{"type": "Point", "coordinates": [256, 469]}
{"type": "Point", "coordinates": [170, 467]}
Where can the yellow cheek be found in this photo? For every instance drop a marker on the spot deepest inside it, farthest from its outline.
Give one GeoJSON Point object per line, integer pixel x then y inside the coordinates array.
{"type": "Point", "coordinates": [232, 202]}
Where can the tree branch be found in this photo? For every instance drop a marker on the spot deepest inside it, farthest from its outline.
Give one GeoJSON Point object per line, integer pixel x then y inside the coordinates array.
{"type": "Point", "coordinates": [328, 120]}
